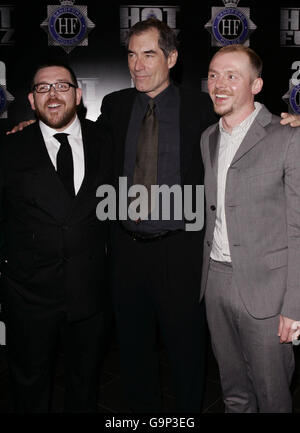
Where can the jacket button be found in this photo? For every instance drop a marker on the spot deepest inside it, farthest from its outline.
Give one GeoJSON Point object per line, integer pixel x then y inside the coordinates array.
{"type": "Point", "coordinates": [213, 207]}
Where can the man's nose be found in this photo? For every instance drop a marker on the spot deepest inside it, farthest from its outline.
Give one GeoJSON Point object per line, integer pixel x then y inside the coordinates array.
{"type": "Point", "coordinates": [52, 91]}
{"type": "Point", "coordinates": [139, 64]}
{"type": "Point", "coordinates": [221, 81]}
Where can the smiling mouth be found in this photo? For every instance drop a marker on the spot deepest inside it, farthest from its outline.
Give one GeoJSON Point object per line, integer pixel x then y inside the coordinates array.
{"type": "Point", "coordinates": [54, 106]}
{"type": "Point", "coordinates": [219, 97]}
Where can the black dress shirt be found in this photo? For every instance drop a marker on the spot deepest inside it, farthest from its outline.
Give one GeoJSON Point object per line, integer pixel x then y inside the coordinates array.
{"type": "Point", "coordinates": [167, 111]}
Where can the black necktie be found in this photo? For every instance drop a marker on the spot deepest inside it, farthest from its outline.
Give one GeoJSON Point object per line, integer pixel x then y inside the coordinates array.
{"type": "Point", "coordinates": [64, 163]}
{"type": "Point", "coordinates": [145, 171]}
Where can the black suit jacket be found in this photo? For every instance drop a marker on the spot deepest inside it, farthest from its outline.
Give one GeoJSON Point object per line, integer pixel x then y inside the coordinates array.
{"type": "Point", "coordinates": [196, 114]}
{"type": "Point", "coordinates": [54, 246]}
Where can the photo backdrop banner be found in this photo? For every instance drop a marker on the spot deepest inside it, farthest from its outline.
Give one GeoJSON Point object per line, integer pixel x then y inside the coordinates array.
{"type": "Point", "coordinates": [90, 36]}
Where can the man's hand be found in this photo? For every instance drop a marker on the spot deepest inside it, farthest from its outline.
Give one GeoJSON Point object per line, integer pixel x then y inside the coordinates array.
{"type": "Point", "coordinates": [285, 330]}
{"type": "Point", "coordinates": [290, 119]}
{"type": "Point", "coordinates": [20, 126]}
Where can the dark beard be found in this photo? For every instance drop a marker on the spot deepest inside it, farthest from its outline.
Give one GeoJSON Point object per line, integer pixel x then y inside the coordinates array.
{"type": "Point", "coordinates": [67, 117]}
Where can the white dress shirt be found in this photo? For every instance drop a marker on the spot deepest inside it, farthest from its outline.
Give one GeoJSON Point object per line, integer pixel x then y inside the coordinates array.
{"type": "Point", "coordinates": [229, 144]}
{"type": "Point", "coordinates": [75, 140]}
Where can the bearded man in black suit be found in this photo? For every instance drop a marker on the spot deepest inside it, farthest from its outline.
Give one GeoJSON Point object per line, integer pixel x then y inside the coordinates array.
{"type": "Point", "coordinates": [54, 262]}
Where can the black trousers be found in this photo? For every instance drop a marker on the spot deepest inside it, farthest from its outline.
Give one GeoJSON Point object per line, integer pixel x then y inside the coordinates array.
{"type": "Point", "coordinates": [33, 334]}
{"type": "Point", "coordinates": [156, 287]}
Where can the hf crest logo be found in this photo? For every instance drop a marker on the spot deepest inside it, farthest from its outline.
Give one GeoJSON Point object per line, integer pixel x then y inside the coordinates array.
{"type": "Point", "coordinates": [230, 25]}
{"type": "Point", "coordinates": [292, 97]}
{"type": "Point", "coordinates": [67, 25]}
{"type": "Point", "coordinates": [5, 97]}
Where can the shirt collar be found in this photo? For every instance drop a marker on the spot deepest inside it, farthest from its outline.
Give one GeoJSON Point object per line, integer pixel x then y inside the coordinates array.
{"type": "Point", "coordinates": [74, 129]}
{"type": "Point", "coordinates": [161, 99]}
{"type": "Point", "coordinates": [245, 125]}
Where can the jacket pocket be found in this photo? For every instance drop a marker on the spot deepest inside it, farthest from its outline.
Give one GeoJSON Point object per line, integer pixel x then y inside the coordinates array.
{"type": "Point", "coordinates": [277, 259]}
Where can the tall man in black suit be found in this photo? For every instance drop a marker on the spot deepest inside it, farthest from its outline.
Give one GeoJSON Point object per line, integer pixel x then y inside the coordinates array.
{"type": "Point", "coordinates": [54, 261]}
{"type": "Point", "coordinates": [157, 264]}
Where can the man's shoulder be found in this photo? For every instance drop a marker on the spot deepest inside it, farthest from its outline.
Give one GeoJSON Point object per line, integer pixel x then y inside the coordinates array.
{"type": "Point", "coordinates": [193, 92]}
{"type": "Point", "coordinates": [208, 131]}
{"type": "Point", "coordinates": [271, 123]}
{"type": "Point", "coordinates": [15, 147]}
{"type": "Point", "coordinates": [122, 94]}
{"type": "Point", "coordinates": [199, 105]}
{"type": "Point", "coordinates": [92, 132]}
{"type": "Point", "coordinates": [197, 98]}
{"type": "Point", "coordinates": [88, 124]}
{"type": "Point", "coordinates": [25, 136]}
{"type": "Point", "coordinates": [119, 102]}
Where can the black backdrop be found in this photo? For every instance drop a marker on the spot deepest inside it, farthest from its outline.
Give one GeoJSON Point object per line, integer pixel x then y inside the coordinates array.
{"type": "Point", "coordinates": [102, 65]}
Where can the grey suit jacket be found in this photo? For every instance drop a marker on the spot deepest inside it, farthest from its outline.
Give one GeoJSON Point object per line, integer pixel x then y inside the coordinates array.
{"type": "Point", "coordinates": [262, 208]}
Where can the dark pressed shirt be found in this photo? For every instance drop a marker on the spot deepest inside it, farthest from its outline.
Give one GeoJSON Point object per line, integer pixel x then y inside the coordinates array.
{"type": "Point", "coordinates": [168, 168]}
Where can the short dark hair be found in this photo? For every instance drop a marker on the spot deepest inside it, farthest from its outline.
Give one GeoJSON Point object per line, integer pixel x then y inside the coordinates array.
{"type": "Point", "coordinates": [167, 40]}
{"type": "Point", "coordinates": [57, 64]}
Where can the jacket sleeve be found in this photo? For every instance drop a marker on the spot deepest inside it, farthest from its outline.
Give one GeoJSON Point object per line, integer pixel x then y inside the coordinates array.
{"type": "Point", "coordinates": [104, 121]}
{"type": "Point", "coordinates": [291, 301]}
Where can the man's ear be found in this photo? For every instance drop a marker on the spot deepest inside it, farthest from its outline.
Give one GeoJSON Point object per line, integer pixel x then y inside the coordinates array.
{"type": "Point", "coordinates": [257, 85]}
{"type": "Point", "coordinates": [172, 58]}
{"type": "Point", "coordinates": [31, 100]}
{"type": "Point", "coordinates": [78, 95]}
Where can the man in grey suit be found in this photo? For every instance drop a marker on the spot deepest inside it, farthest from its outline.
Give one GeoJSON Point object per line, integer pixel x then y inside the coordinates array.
{"type": "Point", "coordinates": [251, 269]}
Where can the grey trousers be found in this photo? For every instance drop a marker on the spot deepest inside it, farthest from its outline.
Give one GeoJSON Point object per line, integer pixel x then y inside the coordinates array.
{"type": "Point", "coordinates": [255, 369]}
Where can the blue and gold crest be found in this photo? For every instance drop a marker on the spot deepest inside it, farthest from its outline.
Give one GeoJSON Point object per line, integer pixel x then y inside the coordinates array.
{"type": "Point", "coordinates": [292, 98]}
{"type": "Point", "coordinates": [230, 25]}
{"type": "Point", "coordinates": [67, 25]}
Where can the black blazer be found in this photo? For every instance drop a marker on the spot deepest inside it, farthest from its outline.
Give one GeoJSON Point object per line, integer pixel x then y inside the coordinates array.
{"type": "Point", "coordinates": [196, 114]}
{"type": "Point", "coordinates": [54, 246]}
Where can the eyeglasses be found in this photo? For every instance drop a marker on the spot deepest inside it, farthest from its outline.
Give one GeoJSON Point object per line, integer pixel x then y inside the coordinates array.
{"type": "Point", "coordinates": [59, 87]}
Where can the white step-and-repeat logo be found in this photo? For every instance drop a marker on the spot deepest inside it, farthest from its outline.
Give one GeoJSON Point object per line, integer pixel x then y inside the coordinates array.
{"type": "Point", "coordinates": [130, 15]}
{"type": "Point", "coordinates": [7, 30]}
{"type": "Point", "coordinates": [290, 27]}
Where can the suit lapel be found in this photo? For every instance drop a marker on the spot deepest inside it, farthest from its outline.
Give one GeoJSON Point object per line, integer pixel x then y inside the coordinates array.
{"type": "Point", "coordinates": [91, 148]}
{"type": "Point", "coordinates": [47, 178]}
{"type": "Point", "coordinates": [126, 106]}
{"type": "Point", "coordinates": [214, 144]}
{"type": "Point", "coordinates": [90, 159]}
{"type": "Point", "coordinates": [254, 134]}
